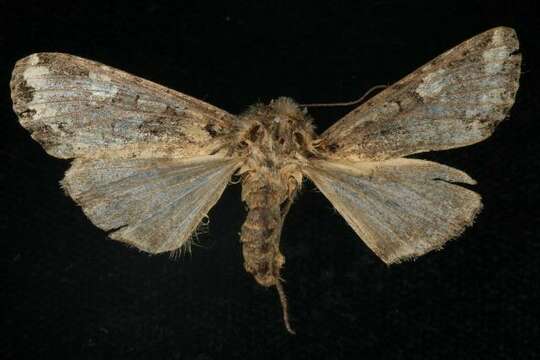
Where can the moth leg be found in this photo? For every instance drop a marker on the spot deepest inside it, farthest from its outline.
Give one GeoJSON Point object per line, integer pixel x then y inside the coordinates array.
{"type": "Point", "coordinates": [283, 300]}
{"type": "Point", "coordinates": [284, 210]}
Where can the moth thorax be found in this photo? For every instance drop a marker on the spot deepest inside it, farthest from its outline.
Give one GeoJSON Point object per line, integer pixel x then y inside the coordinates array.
{"type": "Point", "coordinates": [280, 130]}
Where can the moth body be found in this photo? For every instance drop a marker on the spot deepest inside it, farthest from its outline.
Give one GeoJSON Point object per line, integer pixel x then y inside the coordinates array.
{"type": "Point", "coordinates": [275, 140]}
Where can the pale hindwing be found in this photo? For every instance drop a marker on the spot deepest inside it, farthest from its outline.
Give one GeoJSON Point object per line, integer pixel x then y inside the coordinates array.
{"type": "Point", "coordinates": [79, 108]}
{"type": "Point", "coordinates": [401, 208]}
{"type": "Point", "coordinates": [455, 100]}
{"type": "Point", "coordinates": [153, 204]}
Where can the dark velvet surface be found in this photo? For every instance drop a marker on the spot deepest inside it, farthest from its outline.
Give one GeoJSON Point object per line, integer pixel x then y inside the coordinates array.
{"type": "Point", "coordinates": [70, 292]}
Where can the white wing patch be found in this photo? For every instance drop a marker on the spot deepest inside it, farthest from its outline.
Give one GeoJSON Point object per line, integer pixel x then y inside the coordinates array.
{"type": "Point", "coordinates": [432, 84]}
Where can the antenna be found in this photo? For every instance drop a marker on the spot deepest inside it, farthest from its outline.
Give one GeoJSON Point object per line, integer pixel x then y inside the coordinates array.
{"type": "Point", "coordinates": [349, 103]}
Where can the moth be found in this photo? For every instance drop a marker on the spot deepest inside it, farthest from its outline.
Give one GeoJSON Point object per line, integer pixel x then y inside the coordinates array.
{"type": "Point", "coordinates": [149, 162]}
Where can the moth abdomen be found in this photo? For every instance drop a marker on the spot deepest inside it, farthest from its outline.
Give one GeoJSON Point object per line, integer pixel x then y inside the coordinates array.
{"type": "Point", "coordinates": [261, 230]}
{"type": "Point", "coordinates": [260, 244]}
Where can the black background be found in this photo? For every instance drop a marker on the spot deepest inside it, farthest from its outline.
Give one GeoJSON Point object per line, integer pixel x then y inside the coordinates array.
{"type": "Point", "coordinates": [69, 291]}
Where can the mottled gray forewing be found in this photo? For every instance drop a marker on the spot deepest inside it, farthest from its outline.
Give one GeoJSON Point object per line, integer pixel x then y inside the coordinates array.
{"type": "Point", "coordinates": [455, 100]}
{"type": "Point", "coordinates": [153, 204]}
{"type": "Point", "coordinates": [79, 108]}
{"type": "Point", "coordinates": [401, 208]}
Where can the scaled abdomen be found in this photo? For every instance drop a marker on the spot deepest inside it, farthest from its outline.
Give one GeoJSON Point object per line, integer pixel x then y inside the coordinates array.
{"type": "Point", "coordinates": [260, 233]}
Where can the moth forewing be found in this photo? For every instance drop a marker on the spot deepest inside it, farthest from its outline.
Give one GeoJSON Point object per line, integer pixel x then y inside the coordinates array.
{"type": "Point", "coordinates": [80, 108]}
{"type": "Point", "coordinates": [455, 100]}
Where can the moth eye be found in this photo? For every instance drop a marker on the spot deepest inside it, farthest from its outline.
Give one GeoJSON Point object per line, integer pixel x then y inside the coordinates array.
{"type": "Point", "coordinates": [333, 147]}
{"type": "Point", "coordinates": [299, 138]}
{"type": "Point", "coordinates": [253, 133]}
{"type": "Point", "coordinates": [242, 145]}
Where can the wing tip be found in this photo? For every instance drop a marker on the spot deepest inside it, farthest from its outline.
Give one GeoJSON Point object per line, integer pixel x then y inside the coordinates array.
{"type": "Point", "coordinates": [501, 33]}
{"type": "Point", "coordinates": [503, 28]}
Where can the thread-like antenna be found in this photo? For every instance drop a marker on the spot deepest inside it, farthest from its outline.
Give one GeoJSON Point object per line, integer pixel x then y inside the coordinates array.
{"type": "Point", "coordinates": [348, 103]}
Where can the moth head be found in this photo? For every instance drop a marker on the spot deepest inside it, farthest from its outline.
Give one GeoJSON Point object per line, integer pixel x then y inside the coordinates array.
{"type": "Point", "coordinates": [282, 122]}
